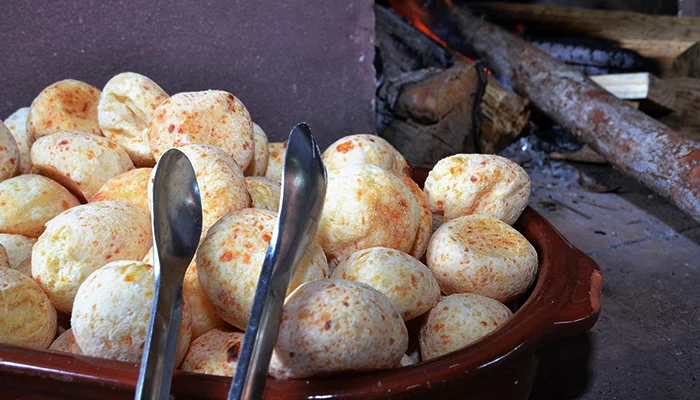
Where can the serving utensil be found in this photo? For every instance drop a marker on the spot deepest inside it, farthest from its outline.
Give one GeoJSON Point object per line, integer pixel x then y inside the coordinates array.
{"type": "Point", "coordinates": [176, 208]}
{"type": "Point", "coordinates": [303, 193]}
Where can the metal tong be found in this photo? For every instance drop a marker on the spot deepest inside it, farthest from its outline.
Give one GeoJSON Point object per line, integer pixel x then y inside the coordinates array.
{"type": "Point", "coordinates": [176, 208]}
{"type": "Point", "coordinates": [303, 193]}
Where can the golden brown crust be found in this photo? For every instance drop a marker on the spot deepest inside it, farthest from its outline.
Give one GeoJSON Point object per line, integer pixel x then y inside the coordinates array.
{"type": "Point", "coordinates": [365, 207]}
{"type": "Point", "coordinates": [480, 254]}
{"type": "Point", "coordinates": [332, 326]}
{"type": "Point", "coordinates": [211, 117]}
{"type": "Point", "coordinates": [67, 105]}
{"type": "Point", "coordinates": [112, 310]}
{"type": "Point", "coordinates": [17, 124]}
{"type": "Point", "coordinates": [131, 186]}
{"type": "Point", "coordinates": [83, 239]}
{"type": "Point", "coordinates": [458, 321]}
{"type": "Point", "coordinates": [365, 149]}
{"type": "Point", "coordinates": [9, 154]}
{"type": "Point", "coordinates": [258, 164]}
{"type": "Point", "coordinates": [27, 202]}
{"type": "Point", "coordinates": [466, 184]}
{"type": "Point", "coordinates": [28, 318]}
{"type": "Point", "coordinates": [231, 256]}
{"type": "Point", "coordinates": [79, 161]}
{"type": "Point", "coordinates": [215, 353]}
{"type": "Point", "coordinates": [127, 105]}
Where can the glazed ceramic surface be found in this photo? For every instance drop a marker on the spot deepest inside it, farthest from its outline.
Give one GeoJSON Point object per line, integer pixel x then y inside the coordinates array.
{"type": "Point", "coordinates": [565, 301]}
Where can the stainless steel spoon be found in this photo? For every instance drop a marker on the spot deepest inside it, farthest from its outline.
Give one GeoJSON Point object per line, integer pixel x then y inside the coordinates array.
{"type": "Point", "coordinates": [176, 208]}
{"type": "Point", "coordinates": [303, 193]}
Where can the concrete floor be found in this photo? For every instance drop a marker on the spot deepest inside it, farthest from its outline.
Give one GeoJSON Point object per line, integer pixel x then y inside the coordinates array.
{"type": "Point", "coordinates": [645, 344]}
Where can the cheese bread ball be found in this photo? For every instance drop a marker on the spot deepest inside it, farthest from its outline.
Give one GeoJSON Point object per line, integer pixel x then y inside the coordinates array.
{"type": "Point", "coordinates": [221, 182]}
{"type": "Point", "coordinates": [67, 105]}
{"type": "Point", "coordinates": [214, 353]}
{"type": "Point", "coordinates": [4, 258]}
{"type": "Point", "coordinates": [204, 316]}
{"type": "Point", "coordinates": [365, 149]}
{"type": "Point", "coordinates": [83, 239]}
{"type": "Point", "coordinates": [480, 254]}
{"type": "Point", "coordinates": [425, 225]}
{"type": "Point", "coordinates": [66, 343]}
{"type": "Point", "coordinates": [258, 164]}
{"type": "Point", "coordinates": [28, 318]}
{"type": "Point", "coordinates": [466, 184]}
{"type": "Point", "coordinates": [131, 186]}
{"type": "Point", "coordinates": [264, 192]}
{"type": "Point", "coordinates": [212, 117]}
{"type": "Point", "coordinates": [112, 311]}
{"type": "Point", "coordinates": [18, 247]}
{"type": "Point", "coordinates": [27, 202]}
{"type": "Point", "coordinates": [9, 154]}
{"type": "Point", "coordinates": [275, 162]}
{"type": "Point", "coordinates": [17, 124]}
{"type": "Point", "coordinates": [333, 326]}
{"type": "Point", "coordinates": [79, 161]}
{"type": "Point", "coordinates": [127, 105]}
{"type": "Point", "coordinates": [230, 258]}
{"type": "Point", "coordinates": [365, 207]}
{"type": "Point", "coordinates": [458, 321]}
{"type": "Point", "coordinates": [408, 283]}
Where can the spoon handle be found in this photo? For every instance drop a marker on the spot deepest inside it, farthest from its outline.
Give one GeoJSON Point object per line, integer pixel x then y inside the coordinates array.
{"type": "Point", "coordinates": [158, 363]}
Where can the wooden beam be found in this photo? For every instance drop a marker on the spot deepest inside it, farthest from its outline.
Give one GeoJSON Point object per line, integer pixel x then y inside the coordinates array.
{"type": "Point", "coordinates": [639, 86]}
{"type": "Point", "coordinates": [687, 64]}
{"type": "Point", "coordinates": [661, 38]}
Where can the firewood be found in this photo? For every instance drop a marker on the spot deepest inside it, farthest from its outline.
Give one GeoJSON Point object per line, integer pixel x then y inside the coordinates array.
{"type": "Point", "coordinates": [661, 158]}
{"type": "Point", "coordinates": [687, 64]}
{"type": "Point", "coordinates": [408, 56]}
{"type": "Point", "coordinates": [584, 154]}
{"type": "Point", "coordinates": [504, 115]}
{"type": "Point", "coordinates": [658, 37]}
{"type": "Point", "coordinates": [639, 86]}
{"type": "Point", "coordinates": [435, 118]}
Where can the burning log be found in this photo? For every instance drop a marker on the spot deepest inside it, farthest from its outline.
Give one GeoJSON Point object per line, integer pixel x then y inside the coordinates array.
{"type": "Point", "coordinates": [425, 94]}
{"type": "Point", "coordinates": [661, 158]}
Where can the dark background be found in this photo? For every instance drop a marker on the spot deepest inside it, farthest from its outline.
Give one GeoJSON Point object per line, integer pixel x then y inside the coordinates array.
{"type": "Point", "coordinates": [288, 61]}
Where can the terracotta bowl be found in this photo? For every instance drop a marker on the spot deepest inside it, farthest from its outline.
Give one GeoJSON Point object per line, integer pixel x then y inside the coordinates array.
{"type": "Point", "coordinates": [565, 301]}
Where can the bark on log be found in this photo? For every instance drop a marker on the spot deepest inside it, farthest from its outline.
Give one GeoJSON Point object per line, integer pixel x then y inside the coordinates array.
{"type": "Point", "coordinates": [407, 56]}
{"type": "Point", "coordinates": [661, 158]}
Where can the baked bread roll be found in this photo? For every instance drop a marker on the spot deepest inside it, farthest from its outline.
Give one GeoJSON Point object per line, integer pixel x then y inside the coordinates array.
{"type": "Point", "coordinates": [79, 161]}
{"type": "Point", "coordinates": [264, 192]}
{"type": "Point", "coordinates": [466, 184]}
{"type": "Point", "coordinates": [365, 149]}
{"type": "Point", "coordinates": [17, 124]}
{"type": "Point", "coordinates": [67, 105]}
{"type": "Point", "coordinates": [230, 258]}
{"type": "Point", "coordinates": [131, 186]}
{"type": "Point", "coordinates": [112, 310]}
{"type": "Point", "coordinates": [82, 240]}
{"type": "Point", "coordinates": [211, 117]}
{"type": "Point", "coordinates": [28, 318]}
{"type": "Point", "coordinates": [365, 207]}
{"type": "Point", "coordinates": [480, 254]}
{"type": "Point", "coordinates": [9, 154]}
{"type": "Point", "coordinates": [458, 321]}
{"type": "Point", "coordinates": [332, 326]}
{"type": "Point", "coordinates": [408, 283]}
{"type": "Point", "coordinates": [215, 353]}
{"type": "Point", "coordinates": [127, 105]}
{"type": "Point", "coordinates": [29, 201]}
{"type": "Point", "coordinates": [275, 161]}
{"type": "Point", "coordinates": [258, 164]}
